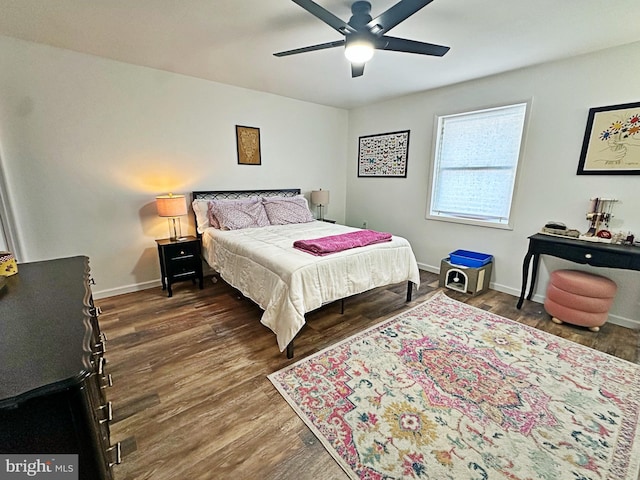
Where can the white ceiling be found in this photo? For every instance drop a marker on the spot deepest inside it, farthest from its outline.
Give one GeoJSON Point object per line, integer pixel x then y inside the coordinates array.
{"type": "Point", "coordinates": [233, 41]}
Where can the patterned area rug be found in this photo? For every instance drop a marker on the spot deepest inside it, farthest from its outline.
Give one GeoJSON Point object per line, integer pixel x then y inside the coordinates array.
{"type": "Point", "coordinates": [449, 391]}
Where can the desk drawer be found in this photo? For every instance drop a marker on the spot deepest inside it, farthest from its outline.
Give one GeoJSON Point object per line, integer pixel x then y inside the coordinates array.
{"type": "Point", "coordinates": [595, 257]}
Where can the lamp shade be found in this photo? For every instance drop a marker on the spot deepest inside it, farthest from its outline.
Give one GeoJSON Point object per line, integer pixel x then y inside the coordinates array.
{"type": "Point", "coordinates": [320, 197]}
{"type": "Point", "coordinates": [171, 205]}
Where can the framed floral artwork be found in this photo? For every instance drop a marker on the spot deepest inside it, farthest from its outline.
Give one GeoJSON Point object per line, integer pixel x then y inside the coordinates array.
{"type": "Point", "coordinates": [248, 144]}
{"type": "Point", "coordinates": [383, 155]}
{"type": "Point", "coordinates": [611, 144]}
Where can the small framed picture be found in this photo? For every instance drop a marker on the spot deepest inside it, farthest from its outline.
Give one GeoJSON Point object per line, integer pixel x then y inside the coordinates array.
{"type": "Point", "coordinates": [248, 144]}
{"type": "Point", "coordinates": [383, 155]}
{"type": "Point", "coordinates": [611, 144]}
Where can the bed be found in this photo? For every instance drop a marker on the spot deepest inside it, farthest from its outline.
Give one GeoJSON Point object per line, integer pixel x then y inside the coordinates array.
{"type": "Point", "coordinates": [260, 261]}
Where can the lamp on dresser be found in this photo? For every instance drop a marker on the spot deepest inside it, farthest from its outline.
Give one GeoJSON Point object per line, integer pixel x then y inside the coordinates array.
{"type": "Point", "coordinates": [172, 207]}
{"type": "Point", "coordinates": [321, 199]}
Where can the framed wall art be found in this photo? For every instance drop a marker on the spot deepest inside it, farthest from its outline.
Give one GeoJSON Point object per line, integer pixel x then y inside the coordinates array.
{"type": "Point", "coordinates": [611, 144]}
{"type": "Point", "coordinates": [383, 155]}
{"type": "Point", "coordinates": [248, 143]}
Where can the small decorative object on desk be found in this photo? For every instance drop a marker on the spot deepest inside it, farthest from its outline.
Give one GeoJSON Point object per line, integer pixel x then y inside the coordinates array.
{"type": "Point", "coordinates": [8, 265]}
{"type": "Point", "coordinates": [629, 239]}
{"type": "Point", "coordinates": [560, 229]}
{"type": "Point", "coordinates": [599, 215]}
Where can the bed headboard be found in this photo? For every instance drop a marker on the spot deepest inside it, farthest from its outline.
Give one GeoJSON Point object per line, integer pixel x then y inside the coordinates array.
{"type": "Point", "coordinates": [233, 194]}
{"type": "Point", "coordinates": [218, 194]}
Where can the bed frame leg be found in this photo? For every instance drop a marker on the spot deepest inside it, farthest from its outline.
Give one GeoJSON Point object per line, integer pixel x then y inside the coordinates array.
{"type": "Point", "coordinates": [290, 350]}
{"type": "Point", "coordinates": [409, 291]}
{"type": "Point", "coordinates": [341, 306]}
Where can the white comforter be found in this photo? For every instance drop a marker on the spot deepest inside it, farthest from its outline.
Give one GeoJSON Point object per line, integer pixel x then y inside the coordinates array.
{"type": "Point", "coordinates": [286, 283]}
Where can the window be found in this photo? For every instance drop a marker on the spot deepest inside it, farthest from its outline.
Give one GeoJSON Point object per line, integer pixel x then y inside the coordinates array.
{"type": "Point", "coordinates": [474, 165]}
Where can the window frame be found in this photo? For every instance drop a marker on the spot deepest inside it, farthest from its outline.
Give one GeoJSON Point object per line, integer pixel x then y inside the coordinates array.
{"type": "Point", "coordinates": [433, 163]}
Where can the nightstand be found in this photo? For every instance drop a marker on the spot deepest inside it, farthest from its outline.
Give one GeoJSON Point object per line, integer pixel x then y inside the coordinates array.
{"type": "Point", "coordinates": [180, 260]}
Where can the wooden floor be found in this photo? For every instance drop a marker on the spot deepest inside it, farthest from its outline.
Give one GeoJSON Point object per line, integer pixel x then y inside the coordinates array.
{"type": "Point", "coordinates": [191, 398]}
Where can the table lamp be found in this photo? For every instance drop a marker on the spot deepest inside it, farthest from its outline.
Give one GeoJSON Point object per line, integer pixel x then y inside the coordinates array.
{"type": "Point", "coordinates": [321, 199]}
{"type": "Point", "coordinates": [172, 206]}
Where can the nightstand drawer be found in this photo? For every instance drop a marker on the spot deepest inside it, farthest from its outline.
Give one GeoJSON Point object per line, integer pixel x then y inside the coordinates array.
{"type": "Point", "coordinates": [180, 252]}
{"type": "Point", "coordinates": [180, 266]}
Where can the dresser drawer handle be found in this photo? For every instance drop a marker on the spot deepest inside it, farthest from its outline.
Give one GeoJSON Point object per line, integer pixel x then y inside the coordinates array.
{"type": "Point", "coordinates": [118, 459]}
{"type": "Point", "coordinates": [109, 383]}
{"type": "Point", "coordinates": [588, 255]}
{"type": "Point", "coordinates": [101, 348]}
{"type": "Point", "coordinates": [101, 363]}
{"type": "Point", "coordinates": [109, 416]}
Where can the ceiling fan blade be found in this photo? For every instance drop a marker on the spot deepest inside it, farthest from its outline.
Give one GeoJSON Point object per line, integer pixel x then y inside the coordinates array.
{"type": "Point", "coordinates": [394, 15]}
{"type": "Point", "coordinates": [410, 46]}
{"type": "Point", "coordinates": [312, 48]}
{"type": "Point", "coordinates": [326, 16]}
{"type": "Point", "coordinates": [357, 70]}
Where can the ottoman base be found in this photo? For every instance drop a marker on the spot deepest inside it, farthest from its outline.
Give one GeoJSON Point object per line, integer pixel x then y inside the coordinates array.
{"type": "Point", "coordinates": [560, 322]}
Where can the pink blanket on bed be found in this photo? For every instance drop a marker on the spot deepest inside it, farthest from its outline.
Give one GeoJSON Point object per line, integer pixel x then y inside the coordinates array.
{"type": "Point", "coordinates": [337, 243]}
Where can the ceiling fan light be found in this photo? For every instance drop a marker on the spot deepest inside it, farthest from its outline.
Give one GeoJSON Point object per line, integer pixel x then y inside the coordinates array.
{"type": "Point", "coordinates": [358, 52]}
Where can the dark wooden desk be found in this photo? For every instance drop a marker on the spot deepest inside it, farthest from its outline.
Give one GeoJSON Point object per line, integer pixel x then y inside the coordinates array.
{"type": "Point", "coordinates": [595, 254]}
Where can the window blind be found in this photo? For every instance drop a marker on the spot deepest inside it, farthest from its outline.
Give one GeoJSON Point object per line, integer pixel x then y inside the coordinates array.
{"type": "Point", "coordinates": [475, 163]}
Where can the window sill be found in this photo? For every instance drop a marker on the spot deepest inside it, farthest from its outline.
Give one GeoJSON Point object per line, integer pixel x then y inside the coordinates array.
{"type": "Point", "coordinates": [469, 221]}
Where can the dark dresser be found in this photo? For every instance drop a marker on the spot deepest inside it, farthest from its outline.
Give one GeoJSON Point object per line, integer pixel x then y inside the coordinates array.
{"type": "Point", "coordinates": [52, 367]}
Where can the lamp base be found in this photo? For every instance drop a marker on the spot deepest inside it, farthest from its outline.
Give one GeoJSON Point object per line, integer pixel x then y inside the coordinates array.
{"type": "Point", "coordinates": [175, 230]}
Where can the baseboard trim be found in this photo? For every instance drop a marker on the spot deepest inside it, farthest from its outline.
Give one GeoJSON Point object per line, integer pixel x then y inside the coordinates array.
{"type": "Point", "coordinates": [616, 319]}
{"type": "Point", "coordinates": [624, 322]}
{"type": "Point", "coordinates": [429, 268]}
{"type": "Point", "coordinates": [136, 287]}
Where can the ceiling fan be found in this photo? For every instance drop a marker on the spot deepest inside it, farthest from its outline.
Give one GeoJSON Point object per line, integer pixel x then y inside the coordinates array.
{"type": "Point", "coordinates": [363, 34]}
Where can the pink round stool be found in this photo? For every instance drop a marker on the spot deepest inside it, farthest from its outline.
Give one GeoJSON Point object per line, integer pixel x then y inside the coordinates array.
{"type": "Point", "coordinates": [579, 298]}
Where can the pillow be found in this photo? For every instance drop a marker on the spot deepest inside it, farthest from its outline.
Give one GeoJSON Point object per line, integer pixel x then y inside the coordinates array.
{"type": "Point", "coordinates": [201, 209]}
{"type": "Point", "coordinates": [237, 214]}
{"type": "Point", "coordinates": [211, 217]}
{"type": "Point", "coordinates": [285, 210]}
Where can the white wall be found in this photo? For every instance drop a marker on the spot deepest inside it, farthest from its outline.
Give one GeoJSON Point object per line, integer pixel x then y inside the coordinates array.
{"type": "Point", "coordinates": [548, 187]}
{"type": "Point", "coordinates": [86, 144]}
